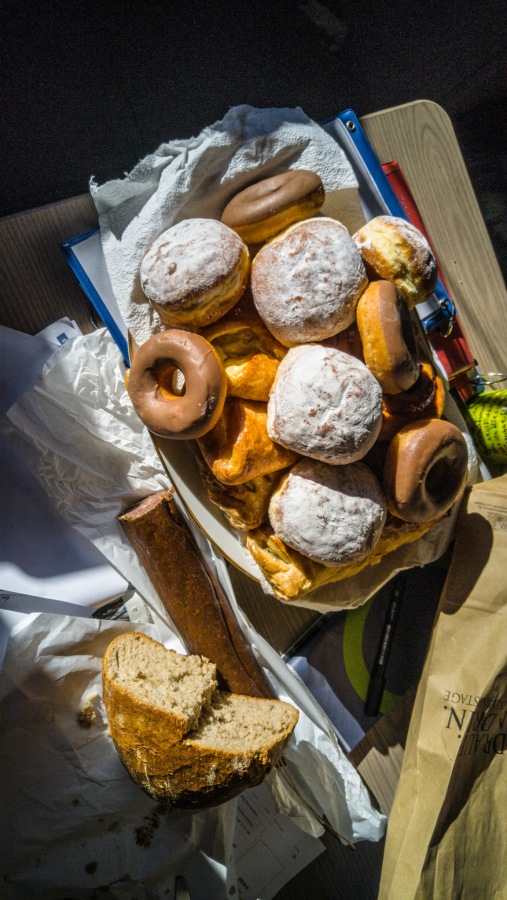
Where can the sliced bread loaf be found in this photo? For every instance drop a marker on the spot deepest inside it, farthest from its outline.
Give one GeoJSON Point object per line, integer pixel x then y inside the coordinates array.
{"type": "Point", "coordinates": [153, 696]}
{"type": "Point", "coordinates": [185, 743]}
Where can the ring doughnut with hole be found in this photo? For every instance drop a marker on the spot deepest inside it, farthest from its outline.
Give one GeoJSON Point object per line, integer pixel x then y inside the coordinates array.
{"type": "Point", "coordinates": [166, 407]}
{"type": "Point", "coordinates": [425, 470]}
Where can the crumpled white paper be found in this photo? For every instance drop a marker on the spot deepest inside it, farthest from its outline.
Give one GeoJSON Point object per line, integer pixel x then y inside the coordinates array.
{"type": "Point", "coordinates": [197, 178]}
{"type": "Point", "coordinates": [80, 435]}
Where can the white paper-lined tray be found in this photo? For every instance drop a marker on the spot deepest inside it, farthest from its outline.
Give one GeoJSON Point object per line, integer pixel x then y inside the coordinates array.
{"type": "Point", "coordinates": [353, 197]}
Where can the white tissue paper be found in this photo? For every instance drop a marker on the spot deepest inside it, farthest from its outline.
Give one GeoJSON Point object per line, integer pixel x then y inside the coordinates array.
{"type": "Point", "coordinates": [197, 178]}
{"type": "Point", "coordinates": [79, 434]}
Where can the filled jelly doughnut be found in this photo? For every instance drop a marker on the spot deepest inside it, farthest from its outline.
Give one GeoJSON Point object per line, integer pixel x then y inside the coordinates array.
{"type": "Point", "coordinates": [306, 282]}
{"type": "Point", "coordinates": [325, 404]}
{"type": "Point", "coordinates": [388, 337]}
{"type": "Point", "coordinates": [195, 272]}
{"type": "Point", "coordinates": [267, 207]}
{"type": "Point", "coordinates": [395, 250]}
{"type": "Point", "coordinates": [332, 514]}
{"type": "Point", "coordinates": [168, 408]}
{"type": "Point", "coordinates": [425, 470]}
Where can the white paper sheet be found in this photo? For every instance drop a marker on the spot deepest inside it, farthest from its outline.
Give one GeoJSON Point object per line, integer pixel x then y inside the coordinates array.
{"type": "Point", "coordinates": [41, 556]}
{"type": "Point", "coordinates": [198, 177]}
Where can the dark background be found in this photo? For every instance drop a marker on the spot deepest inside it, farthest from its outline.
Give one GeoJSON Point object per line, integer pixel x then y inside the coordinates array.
{"type": "Point", "coordinates": [89, 89]}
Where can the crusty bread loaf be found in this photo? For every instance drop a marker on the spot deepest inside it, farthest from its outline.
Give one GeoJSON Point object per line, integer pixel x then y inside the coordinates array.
{"type": "Point", "coordinates": [185, 743]}
{"type": "Point", "coordinates": [194, 599]}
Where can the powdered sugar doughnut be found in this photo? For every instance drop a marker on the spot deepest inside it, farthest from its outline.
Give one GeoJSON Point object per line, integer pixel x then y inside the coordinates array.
{"type": "Point", "coordinates": [325, 404]}
{"type": "Point", "coordinates": [306, 282]}
{"type": "Point", "coordinates": [332, 514]}
{"type": "Point", "coordinates": [195, 272]}
{"type": "Point", "coordinates": [395, 250]}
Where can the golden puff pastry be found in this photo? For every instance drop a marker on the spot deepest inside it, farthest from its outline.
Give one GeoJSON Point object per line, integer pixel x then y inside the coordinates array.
{"type": "Point", "coordinates": [249, 354]}
{"type": "Point", "coordinates": [239, 448]}
{"type": "Point", "coordinates": [291, 575]}
{"type": "Point", "coordinates": [244, 506]}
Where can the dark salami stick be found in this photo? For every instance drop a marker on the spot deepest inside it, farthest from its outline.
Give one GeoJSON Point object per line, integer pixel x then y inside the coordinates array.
{"type": "Point", "coordinates": [191, 595]}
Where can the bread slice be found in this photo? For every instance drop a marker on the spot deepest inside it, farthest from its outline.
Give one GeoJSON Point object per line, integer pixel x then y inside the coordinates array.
{"type": "Point", "coordinates": [229, 741]}
{"type": "Point", "coordinates": [153, 695]}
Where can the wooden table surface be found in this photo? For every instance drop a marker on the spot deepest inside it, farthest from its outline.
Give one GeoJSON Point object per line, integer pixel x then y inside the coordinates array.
{"type": "Point", "coordinates": [37, 287]}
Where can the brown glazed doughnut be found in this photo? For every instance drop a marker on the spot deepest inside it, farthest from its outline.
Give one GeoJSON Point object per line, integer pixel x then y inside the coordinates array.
{"type": "Point", "coordinates": [425, 470]}
{"type": "Point", "coordinates": [395, 250]}
{"type": "Point", "coordinates": [270, 205]}
{"type": "Point", "coordinates": [388, 337]}
{"type": "Point", "coordinates": [195, 272]}
{"type": "Point", "coordinates": [165, 410]}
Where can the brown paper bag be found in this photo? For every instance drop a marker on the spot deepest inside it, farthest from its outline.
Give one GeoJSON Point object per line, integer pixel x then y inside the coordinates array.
{"type": "Point", "coordinates": [447, 834]}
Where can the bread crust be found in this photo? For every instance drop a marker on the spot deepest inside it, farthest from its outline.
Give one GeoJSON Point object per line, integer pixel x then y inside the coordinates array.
{"type": "Point", "coordinates": [140, 727]}
{"type": "Point", "coordinates": [190, 772]}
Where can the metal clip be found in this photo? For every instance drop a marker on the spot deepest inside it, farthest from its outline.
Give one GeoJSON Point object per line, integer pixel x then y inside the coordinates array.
{"type": "Point", "coordinates": [489, 378]}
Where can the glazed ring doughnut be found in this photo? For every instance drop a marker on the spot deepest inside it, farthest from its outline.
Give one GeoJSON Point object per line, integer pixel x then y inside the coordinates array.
{"type": "Point", "coordinates": [388, 337]}
{"type": "Point", "coordinates": [166, 408]}
{"type": "Point", "coordinates": [267, 207]}
{"type": "Point", "coordinates": [425, 470]}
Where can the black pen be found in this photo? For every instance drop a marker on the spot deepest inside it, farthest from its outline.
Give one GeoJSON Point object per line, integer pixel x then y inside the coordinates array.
{"type": "Point", "coordinates": [377, 681]}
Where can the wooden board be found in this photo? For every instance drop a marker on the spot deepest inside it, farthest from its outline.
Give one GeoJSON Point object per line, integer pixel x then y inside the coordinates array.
{"type": "Point", "coordinates": [421, 138]}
